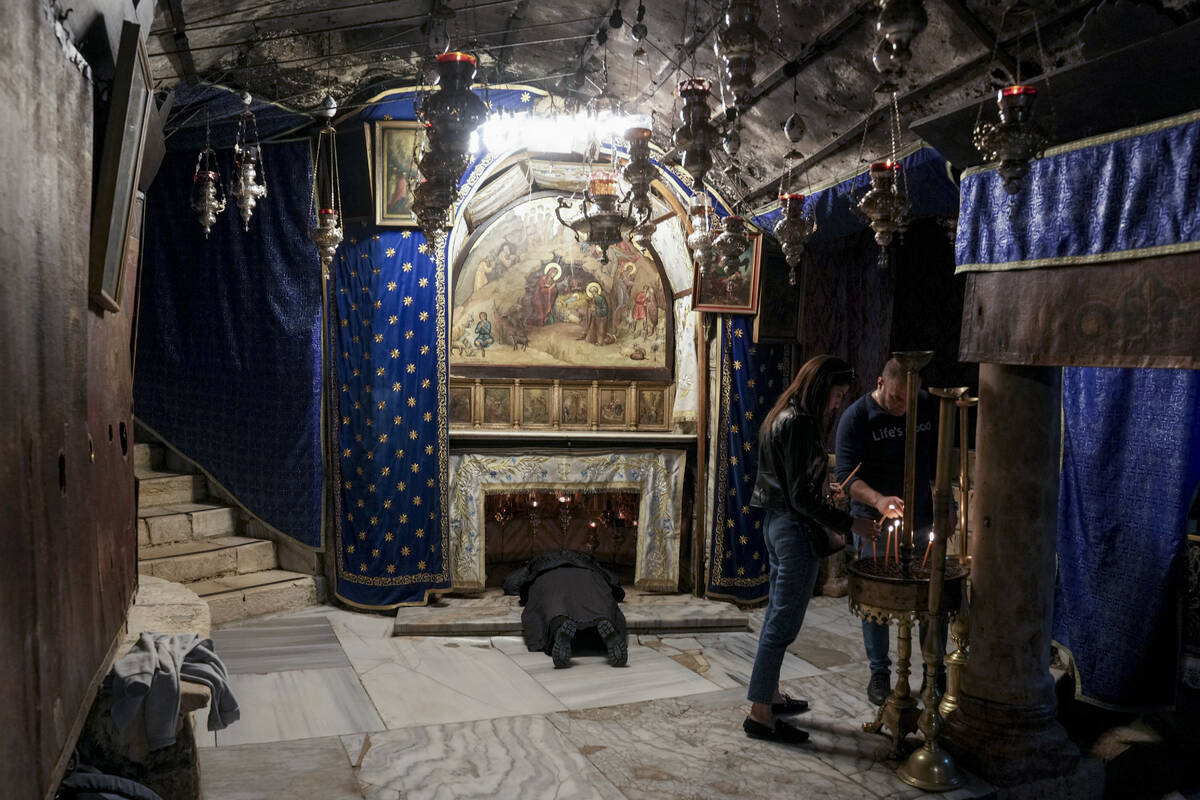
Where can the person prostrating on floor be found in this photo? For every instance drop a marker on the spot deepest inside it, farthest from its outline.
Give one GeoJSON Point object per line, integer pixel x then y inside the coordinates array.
{"type": "Point", "coordinates": [790, 486]}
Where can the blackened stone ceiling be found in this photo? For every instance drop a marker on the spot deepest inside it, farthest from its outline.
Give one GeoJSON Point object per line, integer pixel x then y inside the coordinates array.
{"type": "Point", "coordinates": [294, 51]}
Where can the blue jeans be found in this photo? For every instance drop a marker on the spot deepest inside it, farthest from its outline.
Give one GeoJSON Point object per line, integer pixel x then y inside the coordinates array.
{"type": "Point", "coordinates": [791, 580]}
{"type": "Point", "coordinates": [875, 635]}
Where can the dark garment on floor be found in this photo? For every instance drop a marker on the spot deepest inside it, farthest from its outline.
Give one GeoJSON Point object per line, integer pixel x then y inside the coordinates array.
{"type": "Point", "coordinates": [560, 585]}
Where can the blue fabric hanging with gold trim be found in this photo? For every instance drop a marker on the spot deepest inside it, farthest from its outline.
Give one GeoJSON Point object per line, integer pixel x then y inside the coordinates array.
{"type": "Point", "coordinates": [391, 368]}
{"type": "Point", "coordinates": [752, 376]}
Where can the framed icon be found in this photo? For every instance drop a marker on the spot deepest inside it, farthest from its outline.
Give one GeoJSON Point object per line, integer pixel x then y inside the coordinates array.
{"type": "Point", "coordinates": [576, 406]}
{"type": "Point", "coordinates": [731, 290]}
{"type": "Point", "coordinates": [398, 145]}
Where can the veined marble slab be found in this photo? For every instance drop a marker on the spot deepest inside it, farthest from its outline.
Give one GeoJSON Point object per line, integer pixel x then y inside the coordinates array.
{"type": "Point", "coordinates": [299, 704]}
{"type": "Point", "coordinates": [730, 658]}
{"type": "Point", "coordinates": [427, 681]}
{"type": "Point", "coordinates": [590, 681]}
{"type": "Point", "coordinates": [312, 769]}
{"type": "Point", "coordinates": [280, 644]}
{"type": "Point", "coordinates": [522, 758]}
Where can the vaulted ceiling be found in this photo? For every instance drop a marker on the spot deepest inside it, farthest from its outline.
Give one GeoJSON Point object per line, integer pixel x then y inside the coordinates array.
{"type": "Point", "coordinates": [295, 51]}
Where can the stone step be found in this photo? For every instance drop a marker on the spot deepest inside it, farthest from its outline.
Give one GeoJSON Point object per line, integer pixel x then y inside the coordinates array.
{"type": "Point", "coordinates": [162, 488]}
{"type": "Point", "coordinates": [207, 559]}
{"type": "Point", "coordinates": [185, 522]}
{"type": "Point", "coordinates": [147, 456]}
{"type": "Point", "coordinates": [241, 596]}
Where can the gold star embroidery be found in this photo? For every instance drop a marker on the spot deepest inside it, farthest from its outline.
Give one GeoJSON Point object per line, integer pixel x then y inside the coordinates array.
{"type": "Point", "coordinates": [429, 483]}
{"type": "Point", "coordinates": [410, 368]}
{"type": "Point", "coordinates": [358, 437]}
{"type": "Point", "coordinates": [421, 565]}
{"type": "Point", "coordinates": [379, 372]}
{"type": "Point", "coordinates": [743, 540]}
{"type": "Point", "coordinates": [729, 523]}
{"type": "Point", "coordinates": [429, 416]}
{"type": "Point", "coordinates": [745, 509]}
{"type": "Point", "coordinates": [420, 533]}
{"type": "Point", "coordinates": [404, 551]}
{"type": "Point", "coordinates": [416, 467]}
{"type": "Point", "coordinates": [395, 352]}
{"type": "Point", "coordinates": [407, 266]}
{"type": "Point", "coordinates": [746, 446]}
{"type": "Point", "coordinates": [408, 300]}
{"type": "Point", "coordinates": [350, 549]}
{"type": "Point", "coordinates": [345, 322]}
{"type": "Point", "coordinates": [378, 304]}
{"type": "Point", "coordinates": [733, 461]}
{"type": "Point", "coordinates": [374, 520]}
{"type": "Point", "coordinates": [404, 519]}
{"type": "Point", "coordinates": [362, 535]}
{"type": "Point", "coordinates": [362, 567]}
{"type": "Point", "coordinates": [360, 503]}
{"type": "Point", "coordinates": [737, 364]}
{"type": "Point", "coordinates": [375, 552]}
{"type": "Point", "coordinates": [750, 383]}
{"type": "Point", "coordinates": [524, 97]}
{"type": "Point", "coordinates": [412, 434]}
{"type": "Point", "coordinates": [412, 402]}
{"type": "Point", "coordinates": [391, 568]}
{"type": "Point", "coordinates": [422, 248]}
{"type": "Point", "coordinates": [428, 449]}
{"type": "Point", "coordinates": [741, 570]}
{"type": "Point", "coordinates": [391, 251]}
{"type": "Point", "coordinates": [425, 383]}
{"type": "Point", "coordinates": [396, 420]}
{"type": "Point", "coordinates": [387, 537]}
{"type": "Point", "coordinates": [737, 334]}
{"type": "Point", "coordinates": [349, 517]}
{"type": "Point", "coordinates": [397, 386]}
{"type": "Point", "coordinates": [423, 282]}
{"type": "Point", "coordinates": [391, 286]}
{"type": "Point", "coordinates": [385, 471]}
{"type": "Point", "coordinates": [378, 338]}
{"type": "Point", "coordinates": [382, 437]}
{"type": "Point", "coordinates": [424, 349]}
{"type": "Point", "coordinates": [408, 334]}
{"type": "Point", "coordinates": [416, 501]}
{"type": "Point", "coordinates": [749, 415]}
{"type": "Point", "coordinates": [393, 319]}
{"type": "Point", "coordinates": [756, 556]}
{"type": "Point", "coordinates": [387, 504]}
{"type": "Point", "coordinates": [424, 315]}
{"type": "Point", "coordinates": [406, 234]}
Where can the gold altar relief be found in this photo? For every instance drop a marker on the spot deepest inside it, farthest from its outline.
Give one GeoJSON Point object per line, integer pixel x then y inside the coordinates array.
{"type": "Point", "coordinates": [532, 303]}
{"type": "Point", "coordinates": [560, 405]}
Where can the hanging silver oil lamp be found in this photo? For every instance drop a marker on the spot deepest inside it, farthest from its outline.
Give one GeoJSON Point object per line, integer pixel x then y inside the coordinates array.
{"type": "Point", "coordinates": [731, 244]}
{"type": "Point", "coordinates": [793, 230]}
{"type": "Point", "coordinates": [696, 137]}
{"type": "Point", "coordinates": [704, 231]}
{"type": "Point", "coordinates": [638, 173]}
{"type": "Point", "coordinates": [450, 116]}
{"type": "Point", "coordinates": [208, 197]}
{"type": "Point", "coordinates": [884, 204]}
{"type": "Point", "coordinates": [327, 234]}
{"type": "Point", "coordinates": [738, 44]}
{"type": "Point", "coordinates": [247, 187]}
{"type": "Point", "coordinates": [898, 24]}
{"type": "Point", "coordinates": [1015, 139]}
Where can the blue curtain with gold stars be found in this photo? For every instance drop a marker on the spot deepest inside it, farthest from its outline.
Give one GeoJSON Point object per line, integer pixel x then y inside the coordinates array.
{"type": "Point", "coordinates": [391, 370]}
{"type": "Point", "coordinates": [752, 376]}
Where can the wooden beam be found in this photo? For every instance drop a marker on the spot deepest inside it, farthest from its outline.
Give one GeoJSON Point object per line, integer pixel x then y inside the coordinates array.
{"type": "Point", "coordinates": [184, 63]}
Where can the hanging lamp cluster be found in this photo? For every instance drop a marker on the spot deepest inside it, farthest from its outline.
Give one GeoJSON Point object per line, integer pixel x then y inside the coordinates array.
{"type": "Point", "coordinates": [248, 188]}
{"type": "Point", "coordinates": [450, 115]}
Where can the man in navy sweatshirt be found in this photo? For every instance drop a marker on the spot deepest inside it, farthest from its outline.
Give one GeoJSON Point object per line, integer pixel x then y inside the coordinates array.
{"type": "Point", "coordinates": [871, 432]}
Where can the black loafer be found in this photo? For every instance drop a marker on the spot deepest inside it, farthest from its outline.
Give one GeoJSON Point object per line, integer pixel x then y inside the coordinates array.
{"type": "Point", "coordinates": [782, 732]}
{"type": "Point", "coordinates": [790, 705]}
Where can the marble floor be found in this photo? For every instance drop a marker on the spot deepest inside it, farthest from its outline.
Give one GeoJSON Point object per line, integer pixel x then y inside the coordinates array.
{"type": "Point", "coordinates": [334, 706]}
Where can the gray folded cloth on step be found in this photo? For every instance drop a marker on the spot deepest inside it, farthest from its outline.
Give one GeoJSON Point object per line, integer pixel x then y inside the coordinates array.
{"type": "Point", "coordinates": [146, 680]}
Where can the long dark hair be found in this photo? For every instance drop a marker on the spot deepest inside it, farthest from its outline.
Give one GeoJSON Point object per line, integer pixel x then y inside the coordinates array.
{"type": "Point", "coordinates": [811, 387]}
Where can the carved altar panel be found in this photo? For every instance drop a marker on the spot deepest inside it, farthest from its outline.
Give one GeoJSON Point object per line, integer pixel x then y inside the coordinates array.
{"type": "Point", "coordinates": [656, 475]}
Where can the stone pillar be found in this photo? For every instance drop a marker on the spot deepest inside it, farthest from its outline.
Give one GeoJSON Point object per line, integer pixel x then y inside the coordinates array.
{"type": "Point", "coordinates": [1005, 728]}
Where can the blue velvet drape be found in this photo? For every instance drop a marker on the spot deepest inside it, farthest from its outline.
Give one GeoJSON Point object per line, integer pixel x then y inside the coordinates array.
{"type": "Point", "coordinates": [228, 359]}
{"type": "Point", "coordinates": [392, 370]}
{"type": "Point", "coordinates": [752, 376]}
{"type": "Point", "coordinates": [1131, 463]}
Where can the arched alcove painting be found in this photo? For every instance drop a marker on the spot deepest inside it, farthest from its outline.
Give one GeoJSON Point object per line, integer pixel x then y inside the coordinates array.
{"type": "Point", "coordinates": [530, 301]}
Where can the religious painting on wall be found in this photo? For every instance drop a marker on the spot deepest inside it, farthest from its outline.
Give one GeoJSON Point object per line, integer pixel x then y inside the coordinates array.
{"type": "Point", "coordinates": [460, 405]}
{"type": "Point", "coordinates": [732, 289]}
{"type": "Point", "coordinates": [397, 147]}
{"type": "Point", "coordinates": [497, 405]}
{"type": "Point", "coordinates": [652, 408]}
{"type": "Point", "coordinates": [535, 405]}
{"type": "Point", "coordinates": [611, 408]}
{"type": "Point", "coordinates": [531, 302]}
{"type": "Point", "coordinates": [576, 406]}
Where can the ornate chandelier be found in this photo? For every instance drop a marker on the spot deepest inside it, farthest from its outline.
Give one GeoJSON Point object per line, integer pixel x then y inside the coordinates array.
{"type": "Point", "coordinates": [737, 45]}
{"type": "Point", "coordinates": [247, 158]}
{"type": "Point", "coordinates": [793, 230]}
{"type": "Point", "coordinates": [450, 116]}
{"type": "Point", "coordinates": [696, 137]}
{"type": "Point", "coordinates": [884, 204]}
{"type": "Point", "coordinates": [1016, 139]}
{"type": "Point", "coordinates": [208, 198]}
{"type": "Point", "coordinates": [602, 221]}
{"type": "Point", "coordinates": [898, 24]}
{"type": "Point", "coordinates": [328, 233]}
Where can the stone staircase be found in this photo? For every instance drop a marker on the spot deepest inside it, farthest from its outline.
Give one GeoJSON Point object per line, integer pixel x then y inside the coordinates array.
{"type": "Point", "coordinates": [188, 537]}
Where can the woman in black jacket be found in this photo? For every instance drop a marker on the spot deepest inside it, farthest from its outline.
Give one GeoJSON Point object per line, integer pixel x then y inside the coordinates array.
{"type": "Point", "coordinates": [792, 476]}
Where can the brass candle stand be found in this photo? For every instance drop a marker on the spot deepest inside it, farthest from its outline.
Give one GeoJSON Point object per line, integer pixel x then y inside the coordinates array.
{"type": "Point", "coordinates": [960, 627]}
{"type": "Point", "coordinates": [902, 592]}
{"type": "Point", "coordinates": [930, 767]}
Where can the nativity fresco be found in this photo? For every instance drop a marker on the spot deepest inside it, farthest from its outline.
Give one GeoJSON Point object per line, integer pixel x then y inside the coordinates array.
{"type": "Point", "coordinates": [527, 295]}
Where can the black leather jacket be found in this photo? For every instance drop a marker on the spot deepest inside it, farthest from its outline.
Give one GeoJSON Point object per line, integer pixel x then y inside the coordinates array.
{"type": "Point", "coordinates": [793, 470]}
